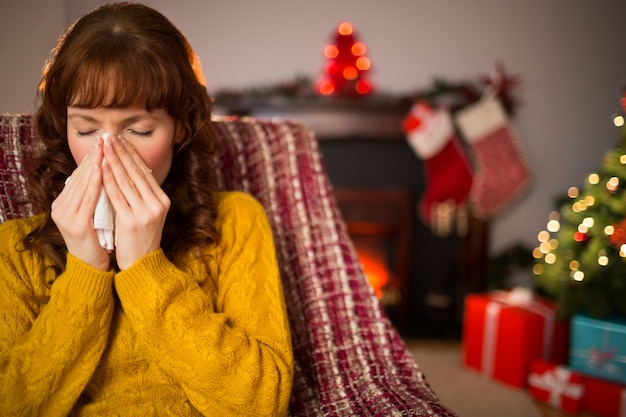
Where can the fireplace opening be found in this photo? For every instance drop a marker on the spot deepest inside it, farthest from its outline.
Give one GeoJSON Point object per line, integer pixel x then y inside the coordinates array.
{"type": "Point", "coordinates": [379, 224]}
{"type": "Point", "coordinates": [374, 256]}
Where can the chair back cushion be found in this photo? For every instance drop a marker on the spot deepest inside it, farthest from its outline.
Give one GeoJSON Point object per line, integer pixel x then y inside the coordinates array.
{"type": "Point", "coordinates": [348, 358]}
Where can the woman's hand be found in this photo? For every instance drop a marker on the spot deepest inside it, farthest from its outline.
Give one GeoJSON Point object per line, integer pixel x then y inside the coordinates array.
{"type": "Point", "coordinates": [72, 211]}
{"type": "Point", "coordinates": [140, 204]}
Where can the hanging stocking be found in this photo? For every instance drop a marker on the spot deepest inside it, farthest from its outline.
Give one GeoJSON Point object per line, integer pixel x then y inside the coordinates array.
{"type": "Point", "coordinates": [502, 174]}
{"type": "Point", "coordinates": [448, 172]}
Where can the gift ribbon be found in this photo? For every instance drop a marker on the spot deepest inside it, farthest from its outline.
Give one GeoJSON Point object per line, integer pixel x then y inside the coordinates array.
{"type": "Point", "coordinates": [602, 359]}
{"type": "Point", "coordinates": [489, 342]}
{"type": "Point", "coordinates": [517, 297]}
{"type": "Point", "coordinates": [557, 383]}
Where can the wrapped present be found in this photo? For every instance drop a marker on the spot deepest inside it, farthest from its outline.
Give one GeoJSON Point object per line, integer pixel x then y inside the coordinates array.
{"type": "Point", "coordinates": [556, 385]}
{"type": "Point", "coordinates": [604, 398]}
{"type": "Point", "coordinates": [503, 331]}
{"type": "Point", "coordinates": [598, 347]}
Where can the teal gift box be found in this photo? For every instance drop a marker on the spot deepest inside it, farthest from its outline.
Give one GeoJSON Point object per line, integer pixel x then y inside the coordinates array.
{"type": "Point", "coordinates": [598, 347]}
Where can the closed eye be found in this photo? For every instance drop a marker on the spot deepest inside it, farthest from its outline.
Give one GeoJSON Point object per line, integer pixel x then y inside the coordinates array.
{"type": "Point", "coordinates": [84, 133]}
{"type": "Point", "coordinates": [141, 133]}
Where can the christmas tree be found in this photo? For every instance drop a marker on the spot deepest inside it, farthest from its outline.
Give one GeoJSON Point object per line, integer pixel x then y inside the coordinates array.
{"type": "Point", "coordinates": [346, 65]}
{"type": "Point", "coordinates": [581, 257]}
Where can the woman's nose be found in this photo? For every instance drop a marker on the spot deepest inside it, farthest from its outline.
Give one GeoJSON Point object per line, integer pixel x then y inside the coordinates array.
{"type": "Point", "coordinates": [107, 134]}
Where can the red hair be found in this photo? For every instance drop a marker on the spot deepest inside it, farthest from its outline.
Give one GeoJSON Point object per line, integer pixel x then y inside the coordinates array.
{"type": "Point", "coordinates": [122, 55]}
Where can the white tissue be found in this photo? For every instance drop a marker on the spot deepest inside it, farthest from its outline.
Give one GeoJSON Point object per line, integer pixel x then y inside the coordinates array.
{"type": "Point", "coordinates": [104, 216]}
{"type": "Point", "coordinates": [104, 221]}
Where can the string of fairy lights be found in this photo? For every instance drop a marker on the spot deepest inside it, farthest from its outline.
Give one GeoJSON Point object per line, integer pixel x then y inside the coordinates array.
{"type": "Point", "coordinates": [552, 239]}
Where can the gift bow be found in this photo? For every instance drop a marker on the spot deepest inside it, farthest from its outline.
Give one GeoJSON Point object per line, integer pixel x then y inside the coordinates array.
{"type": "Point", "coordinates": [518, 296]}
{"type": "Point", "coordinates": [557, 382]}
{"type": "Point", "coordinates": [599, 358]}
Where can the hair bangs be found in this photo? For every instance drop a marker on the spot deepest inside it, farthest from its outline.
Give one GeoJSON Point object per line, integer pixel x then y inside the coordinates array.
{"type": "Point", "coordinates": [124, 81]}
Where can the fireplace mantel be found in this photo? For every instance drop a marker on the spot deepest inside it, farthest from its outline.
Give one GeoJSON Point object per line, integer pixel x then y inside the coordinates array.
{"type": "Point", "coordinates": [330, 120]}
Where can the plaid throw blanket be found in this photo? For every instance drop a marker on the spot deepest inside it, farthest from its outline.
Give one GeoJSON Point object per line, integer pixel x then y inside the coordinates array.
{"type": "Point", "coordinates": [16, 163]}
{"type": "Point", "coordinates": [349, 359]}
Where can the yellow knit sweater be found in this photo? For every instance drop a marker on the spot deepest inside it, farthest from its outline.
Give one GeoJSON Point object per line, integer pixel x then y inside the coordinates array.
{"type": "Point", "coordinates": [150, 340]}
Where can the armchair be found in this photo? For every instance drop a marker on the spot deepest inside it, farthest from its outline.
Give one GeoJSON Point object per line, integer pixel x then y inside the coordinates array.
{"type": "Point", "coordinates": [349, 360]}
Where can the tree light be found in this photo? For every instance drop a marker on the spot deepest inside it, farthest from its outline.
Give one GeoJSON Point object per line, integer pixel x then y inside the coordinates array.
{"type": "Point", "coordinates": [603, 260]}
{"type": "Point", "coordinates": [554, 226]}
{"type": "Point", "coordinates": [579, 206]}
{"type": "Point", "coordinates": [326, 87]}
{"type": "Point", "coordinates": [612, 184]}
{"type": "Point", "coordinates": [578, 276]}
{"type": "Point", "coordinates": [345, 28]}
{"type": "Point", "coordinates": [331, 51]}
{"type": "Point", "coordinates": [362, 87]}
{"type": "Point", "coordinates": [350, 73]}
{"type": "Point", "coordinates": [359, 49]}
{"type": "Point", "coordinates": [363, 63]}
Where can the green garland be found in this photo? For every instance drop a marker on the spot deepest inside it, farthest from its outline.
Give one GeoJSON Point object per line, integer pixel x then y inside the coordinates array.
{"type": "Point", "coordinates": [301, 90]}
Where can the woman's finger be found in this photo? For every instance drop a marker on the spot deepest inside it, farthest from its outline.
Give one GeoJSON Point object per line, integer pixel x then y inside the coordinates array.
{"type": "Point", "coordinates": [80, 183]}
{"type": "Point", "coordinates": [143, 171]}
{"type": "Point", "coordinates": [133, 178]}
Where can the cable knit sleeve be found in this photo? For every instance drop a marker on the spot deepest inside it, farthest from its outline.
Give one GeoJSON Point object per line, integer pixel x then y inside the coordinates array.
{"type": "Point", "coordinates": [225, 339]}
{"type": "Point", "coordinates": [51, 341]}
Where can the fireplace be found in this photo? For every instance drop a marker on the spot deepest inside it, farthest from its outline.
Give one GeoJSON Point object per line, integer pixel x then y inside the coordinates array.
{"type": "Point", "coordinates": [421, 278]}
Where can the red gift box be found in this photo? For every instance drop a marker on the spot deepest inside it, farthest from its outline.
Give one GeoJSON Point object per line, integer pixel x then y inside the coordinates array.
{"type": "Point", "coordinates": [604, 398]}
{"type": "Point", "coordinates": [503, 331]}
{"type": "Point", "coordinates": [556, 386]}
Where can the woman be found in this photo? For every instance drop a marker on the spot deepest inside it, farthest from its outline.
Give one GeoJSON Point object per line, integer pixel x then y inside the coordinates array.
{"type": "Point", "coordinates": [185, 315]}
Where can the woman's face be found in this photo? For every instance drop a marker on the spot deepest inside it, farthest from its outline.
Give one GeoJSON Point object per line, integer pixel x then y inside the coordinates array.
{"type": "Point", "coordinates": [152, 134]}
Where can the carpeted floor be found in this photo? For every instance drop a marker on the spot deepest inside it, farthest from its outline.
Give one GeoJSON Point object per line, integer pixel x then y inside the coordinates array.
{"type": "Point", "coordinates": [466, 392]}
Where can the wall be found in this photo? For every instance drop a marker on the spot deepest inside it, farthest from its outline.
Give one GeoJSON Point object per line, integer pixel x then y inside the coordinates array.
{"type": "Point", "coordinates": [28, 29]}
{"type": "Point", "coordinates": [569, 53]}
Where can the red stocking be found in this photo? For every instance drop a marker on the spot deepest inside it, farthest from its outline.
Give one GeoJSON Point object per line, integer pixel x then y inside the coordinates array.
{"type": "Point", "coordinates": [448, 172]}
{"type": "Point", "coordinates": [501, 170]}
